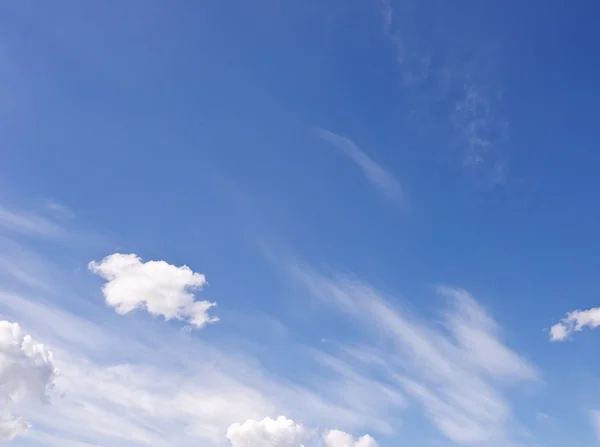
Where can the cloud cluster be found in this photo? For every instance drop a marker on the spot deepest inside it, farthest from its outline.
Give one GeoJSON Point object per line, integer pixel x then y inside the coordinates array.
{"type": "Point", "coordinates": [178, 390]}
{"type": "Point", "coordinates": [26, 372]}
{"type": "Point", "coordinates": [172, 388]}
{"type": "Point", "coordinates": [160, 288]}
{"type": "Point", "coordinates": [575, 321]}
{"type": "Point", "coordinates": [284, 432]}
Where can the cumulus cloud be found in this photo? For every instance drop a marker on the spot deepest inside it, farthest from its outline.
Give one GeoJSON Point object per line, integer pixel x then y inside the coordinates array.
{"type": "Point", "coordinates": [26, 372]}
{"type": "Point", "coordinates": [337, 438]}
{"type": "Point", "coordinates": [575, 321]}
{"type": "Point", "coordinates": [284, 432]}
{"type": "Point", "coordinates": [280, 432]}
{"type": "Point", "coordinates": [159, 287]}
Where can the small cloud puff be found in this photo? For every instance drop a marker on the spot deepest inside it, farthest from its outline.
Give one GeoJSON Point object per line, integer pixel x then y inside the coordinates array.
{"type": "Point", "coordinates": [159, 287]}
{"type": "Point", "coordinates": [573, 322]}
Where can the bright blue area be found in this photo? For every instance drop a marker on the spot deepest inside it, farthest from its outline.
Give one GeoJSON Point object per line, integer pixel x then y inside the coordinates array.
{"type": "Point", "coordinates": [185, 133]}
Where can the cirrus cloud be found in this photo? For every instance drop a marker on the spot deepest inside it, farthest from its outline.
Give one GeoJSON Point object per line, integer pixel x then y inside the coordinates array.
{"type": "Point", "coordinates": [382, 179]}
{"type": "Point", "coordinates": [452, 371]}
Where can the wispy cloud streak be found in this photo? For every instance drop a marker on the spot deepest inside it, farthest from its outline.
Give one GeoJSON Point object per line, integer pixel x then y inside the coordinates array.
{"type": "Point", "coordinates": [379, 177]}
{"type": "Point", "coordinates": [448, 78]}
{"type": "Point", "coordinates": [451, 370]}
{"type": "Point", "coordinates": [24, 223]}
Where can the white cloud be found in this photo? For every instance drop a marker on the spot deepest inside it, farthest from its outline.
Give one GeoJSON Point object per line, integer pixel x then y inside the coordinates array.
{"type": "Point", "coordinates": [337, 438]}
{"type": "Point", "coordinates": [284, 432]}
{"type": "Point", "coordinates": [575, 321]}
{"type": "Point", "coordinates": [26, 372]}
{"type": "Point", "coordinates": [10, 426]}
{"type": "Point", "coordinates": [171, 388]}
{"type": "Point", "coordinates": [156, 386]}
{"type": "Point", "coordinates": [360, 392]}
{"type": "Point", "coordinates": [280, 432]}
{"type": "Point", "coordinates": [559, 332]}
{"type": "Point", "coordinates": [159, 287]}
{"type": "Point", "coordinates": [150, 384]}
{"type": "Point", "coordinates": [381, 178]}
{"type": "Point", "coordinates": [29, 224]}
{"type": "Point", "coordinates": [451, 369]}
{"type": "Point", "coordinates": [478, 336]}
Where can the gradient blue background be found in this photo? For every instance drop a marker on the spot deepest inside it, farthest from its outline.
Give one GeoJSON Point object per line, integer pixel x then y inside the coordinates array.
{"type": "Point", "coordinates": [185, 132]}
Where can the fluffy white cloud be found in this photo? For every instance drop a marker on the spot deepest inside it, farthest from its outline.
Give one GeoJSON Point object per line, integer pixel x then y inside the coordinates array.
{"type": "Point", "coordinates": [26, 372]}
{"type": "Point", "coordinates": [159, 287]}
{"type": "Point", "coordinates": [575, 321]}
{"type": "Point", "coordinates": [280, 432]}
{"type": "Point", "coordinates": [337, 438]}
{"type": "Point", "coordinates": [283, 432]}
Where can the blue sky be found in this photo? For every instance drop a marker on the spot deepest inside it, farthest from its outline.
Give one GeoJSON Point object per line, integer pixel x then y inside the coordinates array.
{"type": "Point", "coordinates": [392, 202]}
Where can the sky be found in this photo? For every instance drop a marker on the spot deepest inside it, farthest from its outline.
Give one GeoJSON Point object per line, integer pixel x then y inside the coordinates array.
{"type": "Point", "coordinates": [360, 223]}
